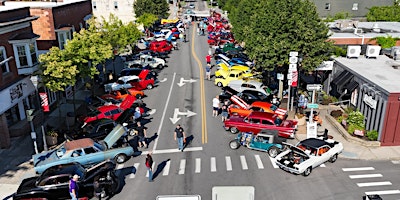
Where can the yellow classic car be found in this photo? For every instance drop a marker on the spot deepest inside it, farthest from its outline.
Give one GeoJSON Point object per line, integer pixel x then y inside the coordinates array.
{"type": "Point", "coordinates": [228, 76]}
{"type": "Point", "coordinates": [223, 68]}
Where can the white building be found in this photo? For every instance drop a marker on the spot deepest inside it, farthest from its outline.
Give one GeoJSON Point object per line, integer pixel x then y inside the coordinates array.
{"type": "Point", "coordinates": [123, 9]}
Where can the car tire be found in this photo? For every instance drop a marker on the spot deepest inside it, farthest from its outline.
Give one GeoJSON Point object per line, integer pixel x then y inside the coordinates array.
{"type": "Point", "coordinates": [138, 96]}
{"type": "Point", "coordinates": [234, 130]}
{"type": "Point", "coordinates": [160, 66]}
{"type": "Point", "coordinates": [219, 84]}
{"type": "Point", "coordinates": [273, 152]}
{"type": "Point", "coordinates": [234, 144]}
{"type": "Point", "coordinates": [149, 86]}
{"type": "Point", "coordinates": [333, 158]}
{"type": "Point", "coordinates": [120, 158]}
{"type": "Point", "coordinates": [307, 171]}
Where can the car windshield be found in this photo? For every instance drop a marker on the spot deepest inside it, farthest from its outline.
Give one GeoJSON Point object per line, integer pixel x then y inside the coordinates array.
{"type": "Point", "coordinates": [60, 152]}
{"type": "Point", "coordinates": [93, 113]}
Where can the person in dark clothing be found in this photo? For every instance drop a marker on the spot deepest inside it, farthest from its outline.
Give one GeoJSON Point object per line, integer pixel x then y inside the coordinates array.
{"type": "Point", "coordinates": [149, 165]}
{"type": "Point", "coordinates": [97, 189]}
{"type": "Point", "coordinates": [180, 134]}
{"type": "Point", "coordinates": [141, 134]}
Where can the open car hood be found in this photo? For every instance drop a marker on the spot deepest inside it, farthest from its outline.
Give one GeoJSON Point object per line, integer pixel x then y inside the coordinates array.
{"type": "Point", "coordinates": [114, 135]}
{"type": "Point", "coordinates": [296, 149]}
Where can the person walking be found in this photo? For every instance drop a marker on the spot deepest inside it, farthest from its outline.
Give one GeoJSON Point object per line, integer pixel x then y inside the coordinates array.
{"type": "Point", "coordinates": [224, 111]}
{"type": "Point", "coordinates": [141, 134]}
{"type": "Point", "coordinates": [208, 72]}
{"type": "Point", "coordinates": [181, 36]}
{"type": "Point", "coordinates": [149, 165]}
{"type": "Point", "coordinates": [73, 187]}
{"type": "Point", "coordinates": [208, 60]}
{"type": "Point", "coordinates": [180, 135]}
{"type": "Point", "coordinates": [215, 104]}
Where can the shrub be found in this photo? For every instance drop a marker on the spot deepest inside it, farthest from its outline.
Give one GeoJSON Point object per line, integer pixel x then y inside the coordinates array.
{"type": "Point", "coordinates": [340, 119]}
{"type": "Point", "coordinates": [336, 113]}
{"type": "Point", "coordinates": [356, 118]}
{"type": "Point", "coordinates": [372, 135]}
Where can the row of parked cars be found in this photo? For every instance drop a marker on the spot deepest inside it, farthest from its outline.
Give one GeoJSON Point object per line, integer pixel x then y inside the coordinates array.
{"type": "Point", "coordinates": [255, 116]}
{"type": "Point", "coordinates": [102, 139]}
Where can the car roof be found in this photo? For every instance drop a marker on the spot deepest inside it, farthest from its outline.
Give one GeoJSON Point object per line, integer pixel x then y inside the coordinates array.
{"type": "Point", "coordinates": [262, 115]}
{"type": "Point", "coordinates": [106, 108]}
{"type": "Point", "coordinates": [255, 83]}
{"type": "Point", "coordinates": [127, 78]}
{"type": "Point", "coordinates": [70, 168]}
{"type": "Point", "coordinates": [314, 143]}
{"type": "Point", "coordinates": [77, 144]}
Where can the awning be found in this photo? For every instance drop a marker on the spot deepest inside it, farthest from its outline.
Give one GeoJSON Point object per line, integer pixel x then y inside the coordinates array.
{"type": "Point", "coordinates": [339, 82]}
{"type": "Point", "coordinates": [351, 86]}
{"type": "Point", "coordinates": [338, 78]}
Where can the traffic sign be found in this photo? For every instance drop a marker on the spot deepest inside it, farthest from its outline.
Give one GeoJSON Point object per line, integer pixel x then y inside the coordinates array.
{"type": "Point", "coordinates": [317, 87]}
{"type": "Point", "coordinates": [312, 105]}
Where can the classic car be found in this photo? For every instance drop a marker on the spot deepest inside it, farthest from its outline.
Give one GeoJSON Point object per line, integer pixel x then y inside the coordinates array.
{"type": "Point", "coordinates": [257, 121]}
{"type": "Point", "coordinates": [86, 151]}
{"type": "Point", "coordinates": [121, 94]}
{"type": "Point", "coordinates": [148, 60]}
{"type": "Point", "coordinates": [53, 183]}
{"type": "Point", "coordinates": [233, 61]}
{"type": "Point", "coordinates": [251, 96]}
{"type": "Point", "coordinates": [308, 154]}
{"type": "Point", "coordinates": [161, 46]}
{"type": "Point", "coordinates": [123, 82]}
{"type": "Point", "coordinates": [140, 71]}
{"type": "Point", "coordinates": [224, 68]}
{"type": "Point", "coordinates": [243, 109]}
{"type": "Point", "coordinates": [266, 140]}
{"type": "Point", "coordinates": [241, 85]}
{"type": "Point", "coordinates": [96, 130]}
{"type": "Point", "coordinates": [228, 76]}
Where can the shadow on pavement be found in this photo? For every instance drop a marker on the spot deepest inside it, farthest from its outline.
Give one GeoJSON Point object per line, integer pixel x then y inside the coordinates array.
{"type": "Point", "coordinates": [160, 167]}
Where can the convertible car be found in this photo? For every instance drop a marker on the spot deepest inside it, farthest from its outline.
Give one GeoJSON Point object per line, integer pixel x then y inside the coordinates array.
{"type": "Point", "coordinates": [308, 154]}
{"type": "Point", "coordinates": [86, 151]}
{"type": "Point", "coordinates": [53, 182]}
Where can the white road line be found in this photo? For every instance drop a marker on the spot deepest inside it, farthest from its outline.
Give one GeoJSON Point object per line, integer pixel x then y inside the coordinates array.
{"type": "Point", "coordinates": [258, 161]}
{"type": "Point", "coordinates": [383, 192]}
{"type": "Point", "coordinates": [273, 162]}
{"type": "Point", "coordinates": [243, 162]}
{"type": "Point", "coordinates": [136, 165]}
{"type": "Point", "coordinates": [228, 163]}
{"type": "Point", "coordinates": [322, 165]}
{"type": "Point", "coordinates": [152, 167]}
{"type": "Point", "coordinates": [120, 166]}
{"type": "Point", "coordinates": [213, 164]}
{"type": "Point", "coordinates": [166, 168]}
{"type": "Point", "coordinates": [175, 150]}
{"type": "Point", "coordinates": [182, 166]}
{"type": "Point", "coordinates": [374, 184]}
{"type": "Point", "coordinates": [357, 169]}
{"type": "Point", "coordinates": [396, 162]}
{"type": "Point", "coordinates": [163, 114]}
{"type": "Point", "coordinates": [198, 166]}
{"type": "Point", "coordinates": [365, 176]}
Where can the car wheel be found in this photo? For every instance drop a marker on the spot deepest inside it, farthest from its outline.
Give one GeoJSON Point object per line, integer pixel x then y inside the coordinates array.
{"type": "Point", "coordinates": [234, 144]}
{"type": "Point", "coordinates": [149, 86]}
{"type": "Point", "coordinates": [138, 96]}
{"type": "Point", "coordinates": [307, 172]}
{"type": "Point", "coordinates": [333, 158]}
{"type": "Point", "coordinates": [273, 152]}
{"type": "Point", "coordinates": [160, 66]}
{"type": "Point", "coordinates": [219, 84]}
{"type": "Point", "coordinates": [234, 130]}
{"type": "Point", "coordinates": [120, 158]}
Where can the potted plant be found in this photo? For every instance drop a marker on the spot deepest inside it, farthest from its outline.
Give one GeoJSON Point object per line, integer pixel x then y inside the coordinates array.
{"type": "Point", "coordinates": [51, 137]}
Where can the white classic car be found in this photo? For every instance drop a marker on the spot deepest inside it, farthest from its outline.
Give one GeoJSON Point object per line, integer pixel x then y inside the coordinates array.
{"type": "Point", "coordinates": [240, 85]}
{"type": "Point", "coordinates": [308, 154]}
{"type": "Point", "coordinates": [123, 82]}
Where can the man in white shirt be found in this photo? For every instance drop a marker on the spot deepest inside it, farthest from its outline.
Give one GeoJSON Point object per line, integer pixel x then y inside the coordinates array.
{"type": "Point", "coordinates": [215, 104]}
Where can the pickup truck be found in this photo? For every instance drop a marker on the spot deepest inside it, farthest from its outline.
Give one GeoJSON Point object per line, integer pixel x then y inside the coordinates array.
{"type": "Point", "coordinates": [154, 63]}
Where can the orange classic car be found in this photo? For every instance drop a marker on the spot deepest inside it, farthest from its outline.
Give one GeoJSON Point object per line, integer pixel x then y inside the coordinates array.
{"type": "Point", "coordinates": [243, 109]}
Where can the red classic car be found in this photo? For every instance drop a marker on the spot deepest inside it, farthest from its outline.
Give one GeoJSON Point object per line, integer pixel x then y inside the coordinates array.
{"type": "Point", "coordinates": [110, 111]}
{"type": "Point", "coordinates": [145, 81]}
{"type": "Point", "coordinates": [243, 109]}
{"type": "Point", "coordinates": [161, 46]}
{"type": "Point", "coordinates": [257, 121]}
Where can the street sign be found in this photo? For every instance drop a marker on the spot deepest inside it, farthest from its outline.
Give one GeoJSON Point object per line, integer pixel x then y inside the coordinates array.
{"type": "Point", "coordinates": [293, 54]}
{"type": "Point", "coordinates": [317, 87]}
{"type": "Point", "coordinates": [292, 67]}
{"type": "Point", "coordinates": [312, 105]}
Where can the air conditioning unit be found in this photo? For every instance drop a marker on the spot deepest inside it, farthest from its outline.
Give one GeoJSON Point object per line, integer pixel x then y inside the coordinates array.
{"type": "Point", "coordinates": [372, 51]}
{"type": "Point", "coordinates": [353, 51]}
{"type": "Point", "coordinates": [395, 53]}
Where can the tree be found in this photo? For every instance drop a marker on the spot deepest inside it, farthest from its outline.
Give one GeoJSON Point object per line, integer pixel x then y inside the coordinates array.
{"type": "Point", "coordinates": [386, 42]}
{"type": "Point", "coordinates": [271, 29]}
{"type": "Point", "coordinates": [147, 19]}
{"type": "Point", "coordinates": [157, 7]}
{"type": "Point", "coordinates": [384, 13]}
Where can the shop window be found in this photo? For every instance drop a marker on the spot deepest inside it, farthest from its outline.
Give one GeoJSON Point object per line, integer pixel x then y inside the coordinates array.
{"type": "Point", "coordinates": [25, 54]}
{"type": "Point", "coordinates": [3, 56]}
{"type": "Point", "coordinates": [327, 6]}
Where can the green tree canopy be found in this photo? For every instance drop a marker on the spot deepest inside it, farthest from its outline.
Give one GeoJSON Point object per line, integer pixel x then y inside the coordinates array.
{"type": "Point", "coordinates": [158, 8]}
{"type": "Point", "coordinates": [147, 19]}
{"type": "Point", "coordinates": [271, 29]}
{"type": "Point", "coordinates": [384, 13]}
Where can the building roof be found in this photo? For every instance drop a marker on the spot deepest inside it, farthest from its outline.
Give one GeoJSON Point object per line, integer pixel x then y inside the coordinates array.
{"type": "Point", "coordinates": [381, 29]}
{"type": "Point", "coordinates": [379, 71]}
{"type": "Point", "coordinates": [40, 4]}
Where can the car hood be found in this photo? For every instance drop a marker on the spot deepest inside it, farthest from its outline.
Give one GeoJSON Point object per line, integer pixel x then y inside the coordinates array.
{"type": "Point", "coordinates": [44, 158]}
{"type": "Point", "coordinates": [235, 119]}
{"type": "Point", "coordinates": [114, 135]}
{"type": "Point", "coordinates": [27, 185]}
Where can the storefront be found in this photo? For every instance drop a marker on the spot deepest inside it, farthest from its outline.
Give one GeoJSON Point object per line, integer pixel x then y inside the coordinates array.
{"type": "Point", "coordinates": [372, 86]}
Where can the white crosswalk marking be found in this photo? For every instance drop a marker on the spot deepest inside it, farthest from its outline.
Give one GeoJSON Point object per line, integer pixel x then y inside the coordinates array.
{"type": "Point", "coordinates": [374, 184]}
{"type": "Point", "coordinates": [396, 162]}
{"type": "Point", "coordinates": [134, 171]}
{"type": "Point", "coordinates": [322, 165]}
{"type": "Point", "coordinates": [383, 192]}
{"type": "Point", "coordinates": [213, 165]}
{"type": "Point", "coordinates": [228, 163]}
{"type": "Point", "coordinates": [182, 166]}
{"type": "Point", "coordinates": [198, 166]}
{"type": "Point", "coordinates": [166, 168]}
{"type": "Point", "coordinates": [243, 162]}
{"type": "Point", "coordinates": [258, 161]}
{"type": "Point", "coordinates": [120, 166]}
{"type": "Point", "coordinates": [357, 169]}
{"type": "Point", "coordinates": [273, 162]}
{"type": "Point", "coordinates": [152, 167]}
{"type": "Point", "coordinates": [365, 176]}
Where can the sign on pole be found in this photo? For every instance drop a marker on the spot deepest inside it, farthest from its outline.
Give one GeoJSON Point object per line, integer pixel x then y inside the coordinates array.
{"type": "Point", "coordinates": [312, 105]}
{"type": "Point", "coordinates": [311, 87]}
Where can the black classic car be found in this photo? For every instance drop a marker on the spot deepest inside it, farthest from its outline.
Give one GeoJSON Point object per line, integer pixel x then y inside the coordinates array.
{"type": "Point", "coordinates": [53, 182]}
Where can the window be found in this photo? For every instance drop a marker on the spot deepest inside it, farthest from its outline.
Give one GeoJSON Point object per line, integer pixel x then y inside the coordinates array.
{"type": "Point", "coordinates": [90, 150]}
{"type": "Point", "coordinates": [327, 6]}
{"type": "Point", "coordinates": [25, 54]}
{"type": "Point", "coordinates": [63, 36]}
{"type": "Point", "coordinates": [94, 5]}
{"type": "Point", "coordinates": [3, 56]}
{"type": "Point", "coordinates": [115, 5]}
{"type": "Point", "coordinates": [355, 6]}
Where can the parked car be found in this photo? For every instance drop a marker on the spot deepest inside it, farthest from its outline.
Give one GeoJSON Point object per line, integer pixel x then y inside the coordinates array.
{"type": "Point", "coordinates": [241, 85]}
{"type": "Point", "coordinates": [161, 46]}
{"type": "Point", "coordinates": [232, 61]}
{"type": "Point", "coordinates": [243, 109]}
{"type": "Point", "coordinates": [138, 70]}
{"type": "Point", "coordinates": [53, 183]}
{"type": "Point", "coordinates": [308, 154]}
{"type": "Point", "coordinates": [266, 140]}
{"type": "Point", "coordinates": [251, 96]}
{"type": "Point", "coordinates": [148, 60]}
{"type": "Point", "coordinates": [123, 82]}
{"type": "Point", "coordinates": [224, 68]}
{"type": "Point", "coordinates": [96, 130]}
{"type": "Point", "coordinates": [228, 76]}
{"type": "Point", "coordinates": [86, 151]}
{"type": "Point", "coordinates": [123, 93]}
{"type": "Point", "coordinates": [257, 121]}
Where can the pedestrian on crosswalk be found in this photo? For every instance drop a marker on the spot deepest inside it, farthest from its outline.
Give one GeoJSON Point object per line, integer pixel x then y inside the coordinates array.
{"type": "Point", "coordinates": [149, 164]}
{"type": "Point", "coordinates": [180, 134]}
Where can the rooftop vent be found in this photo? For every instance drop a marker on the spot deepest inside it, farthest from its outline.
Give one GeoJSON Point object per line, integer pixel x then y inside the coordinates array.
{"type": "Point", "coordinates": [376, 28]}
{"type": "Point", "coordinates": [346, 24]}
{"type": "Point", "coordinates": [394, 64]}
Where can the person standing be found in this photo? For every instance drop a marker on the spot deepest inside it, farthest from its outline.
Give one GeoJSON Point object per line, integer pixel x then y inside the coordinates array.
{"type": "Point", "coordinates": [215, 104]}
{"type": "Point", "coordinates": [208, 72]}
{"type": "Point", "coordinates": [224, 111]}
{"type": "Point", "coordinates": [208, 60]}
{"type": "Point", "coordinates": [73, 187]}
{"type": "Point", "coordinates": [141, 134]}
{"type": "Point", "coordinates": [180, 135]}
{"type": "Point", "coordinates": [181, 36]}
{"type": "Point", "coordinates": [149, 165]}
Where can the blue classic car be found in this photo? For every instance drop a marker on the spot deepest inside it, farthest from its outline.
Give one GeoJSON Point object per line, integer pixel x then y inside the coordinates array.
{"type": "Point", "coordinates": [266, 140]}
{"type": "Point", "coordinates": [86, 152]}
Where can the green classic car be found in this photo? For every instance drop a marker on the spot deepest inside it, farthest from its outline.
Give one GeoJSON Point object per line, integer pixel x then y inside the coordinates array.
{"type": "Point", "coordinates": [266, 140]}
